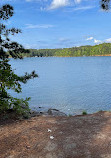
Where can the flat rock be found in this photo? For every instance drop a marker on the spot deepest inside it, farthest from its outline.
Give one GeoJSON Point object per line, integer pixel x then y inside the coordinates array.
{"type": "Point", "coordinates": [55, 112]}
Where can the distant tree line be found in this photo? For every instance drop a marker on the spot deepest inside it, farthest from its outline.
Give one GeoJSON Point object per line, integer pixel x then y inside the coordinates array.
{"type": "Point", "coordinates": [101, 49]}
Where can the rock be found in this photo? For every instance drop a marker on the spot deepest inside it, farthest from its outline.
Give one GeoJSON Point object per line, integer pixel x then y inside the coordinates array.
{"type": "Point", "coordinates": [52, 112]}
{"type": "Point", "coordinates": [49, 111]}
{"type": "Point", "coordinates": [50, 146]}
{"type": "Point", "coordinates": [41, 112]}
{"type": "Point", "coordinates": [34, 113]}
{"type": "Point", "coordinates": [28, 147]}
{"type": "Point", "coordinates": [55, 112]}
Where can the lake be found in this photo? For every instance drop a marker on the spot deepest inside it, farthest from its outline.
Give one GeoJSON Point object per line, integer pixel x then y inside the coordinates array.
{"type": "Point", "coordinates": [70, 84]}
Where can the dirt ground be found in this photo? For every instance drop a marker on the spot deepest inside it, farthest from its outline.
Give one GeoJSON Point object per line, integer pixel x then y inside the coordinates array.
{"type": "Point", "coordinates": [86, 136]}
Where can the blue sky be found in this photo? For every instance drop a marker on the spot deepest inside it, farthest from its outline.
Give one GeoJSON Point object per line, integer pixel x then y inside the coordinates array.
{"type": "Point", "coordinates": [59, 23]}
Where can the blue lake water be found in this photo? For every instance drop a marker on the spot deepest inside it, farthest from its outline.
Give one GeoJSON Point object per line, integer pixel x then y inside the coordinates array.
{"type": "Point", "coordinates": [70, 84]}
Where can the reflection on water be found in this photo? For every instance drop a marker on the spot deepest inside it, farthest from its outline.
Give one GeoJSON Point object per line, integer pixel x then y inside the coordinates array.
{"type": "Point", "coordinates": [70, 84]}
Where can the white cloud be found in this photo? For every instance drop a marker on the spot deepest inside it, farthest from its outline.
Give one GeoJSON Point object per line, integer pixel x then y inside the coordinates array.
{"type": "Point", "coordinates": [30, 0]}
{"type": "Point", "coordinates": [6, 0]}
{"type": "Point", "coordinates": [84, 8]}
{"type": "Point", "coordinates": [89, 38]}
{"type": "Point", "coordinates": [58, 3]}
{"type": "Point", "coordinates": [97, 41]}
{"type": "Point", "coordinates": [108, 40]}
{"type": "Point", "coordinates": [64, 39]}
{"type": "Point", "coordinates": [77, 1]}
{"type": "Point", "coordinates": [79, 8]}
{"type": "Point", "coordinates": [44, 26]}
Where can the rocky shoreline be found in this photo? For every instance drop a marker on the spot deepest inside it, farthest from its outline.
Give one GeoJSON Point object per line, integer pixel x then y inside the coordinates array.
{"type": "Point", "coordinates": [50, 111]}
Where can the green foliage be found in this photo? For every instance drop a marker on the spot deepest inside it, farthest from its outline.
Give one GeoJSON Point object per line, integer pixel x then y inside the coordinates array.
{"type": "Point", "coordinates": [101, 49]}
{"type": "Point", "coordinates": [84, 113]}
{"type": "Point", "coordinates": [8, 79]}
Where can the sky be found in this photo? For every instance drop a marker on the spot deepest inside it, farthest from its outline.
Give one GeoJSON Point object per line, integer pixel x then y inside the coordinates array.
{"type": "Point", "coordinates": [59, 23]}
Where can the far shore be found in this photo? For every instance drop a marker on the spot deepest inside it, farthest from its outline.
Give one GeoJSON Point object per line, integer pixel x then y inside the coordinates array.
{"type": "Point", "coordinates": [103, 55]}
{"type": "Point", "coordinates": [71, 56]}
{"type": "Point", "coordinates": [108, 55]}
